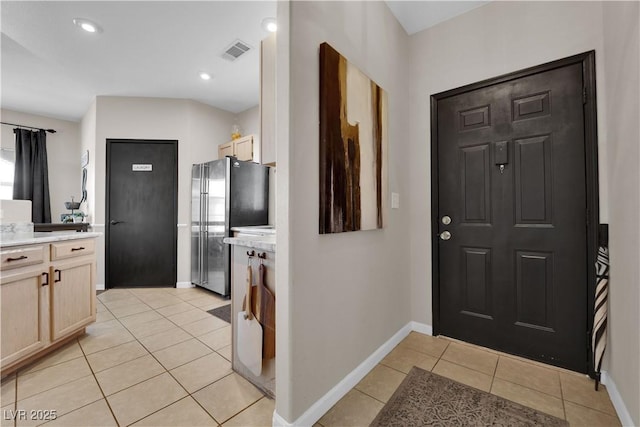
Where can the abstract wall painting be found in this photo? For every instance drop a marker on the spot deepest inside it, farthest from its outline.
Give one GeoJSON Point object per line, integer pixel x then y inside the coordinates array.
{"type": "Point", "coordinates": [353, 146]}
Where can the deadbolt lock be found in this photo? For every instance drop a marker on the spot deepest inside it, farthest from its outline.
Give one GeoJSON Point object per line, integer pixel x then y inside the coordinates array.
{"type": "Point", "coordinates": [446, 220]}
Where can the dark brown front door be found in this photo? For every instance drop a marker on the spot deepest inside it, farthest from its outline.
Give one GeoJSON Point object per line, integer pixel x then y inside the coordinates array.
{"type": "Point", "coordinates": [512, 261]}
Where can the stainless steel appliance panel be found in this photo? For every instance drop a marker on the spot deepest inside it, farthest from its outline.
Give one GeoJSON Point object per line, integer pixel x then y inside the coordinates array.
{"type": "Point", "coordinates": [196, 226]}
{"type": "Point", "coordinates": [225, 193]}
{"type": "Point", "coordinates": [249, 194]}
{"type": "Point", "coordinates": [217, 252]}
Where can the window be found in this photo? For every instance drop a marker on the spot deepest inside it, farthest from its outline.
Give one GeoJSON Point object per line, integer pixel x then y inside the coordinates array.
{"type": "Point", "coordinates": [7, 163]}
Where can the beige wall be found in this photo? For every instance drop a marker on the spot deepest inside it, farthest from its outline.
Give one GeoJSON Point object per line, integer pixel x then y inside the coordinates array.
{"type": "Point", "coordinates": [622, 71]}
{"type": "Point", "coordinates": [347, 293]}
{"type": "Point", "coordinates": [88, 143]}
{"type": "Point", "coordinates": [63, 156]}
{"type": "Point", "coordinates": [249, 121]}
{"type": "Point", "coordinates": [494, 39]}
{"type": "Point", "coordinates": [198, 129]}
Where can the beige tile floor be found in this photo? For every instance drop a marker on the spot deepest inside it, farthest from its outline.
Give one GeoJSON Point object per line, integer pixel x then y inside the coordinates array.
{"type": "Point", "coordinates": [558, 392]}
{"type": "Point", "coordinates": [154, 357]}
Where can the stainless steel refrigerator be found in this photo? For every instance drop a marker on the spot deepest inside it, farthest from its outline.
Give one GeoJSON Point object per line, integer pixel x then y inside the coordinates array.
{"type": "Point", "coordinates": [225, 193]}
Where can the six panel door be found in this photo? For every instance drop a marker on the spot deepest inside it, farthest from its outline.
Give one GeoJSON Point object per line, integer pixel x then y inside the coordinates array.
{"type": "Point", "coordinates": [511, 176]}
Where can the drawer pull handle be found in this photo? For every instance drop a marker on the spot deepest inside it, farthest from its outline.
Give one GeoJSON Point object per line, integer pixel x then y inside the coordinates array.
{"type": "Point", "coordinates": [59, 276]}
{"type": "Point", "coordinates": [17, 259]}
{"type": "Point", "coordinates": [77, 249]}
{"type": "Point", "coordinates": [45, 282]}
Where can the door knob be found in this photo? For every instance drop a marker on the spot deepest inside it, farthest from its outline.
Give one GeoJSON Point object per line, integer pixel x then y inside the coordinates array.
{"type": "Point", "coordinates": [114, 222]}
{"type": "Point", "coordinates": [445, 235]}
{"type": "Point", "coordinates": [446, 220]}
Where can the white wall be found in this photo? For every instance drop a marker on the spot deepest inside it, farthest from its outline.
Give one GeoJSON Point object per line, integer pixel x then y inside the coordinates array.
{"type": "Point", "coordinates": [347, 293]}
{"type": "Point", "coordinates": [622, 71]}
{"type": "Point", "coordinates": [249, 121]}
{"type": "Point", "coordinates": [494, 39]}
{"type": "Point", "coordinates": [198, 129]}
{"type": "Point", "coordinates": [63, 156]}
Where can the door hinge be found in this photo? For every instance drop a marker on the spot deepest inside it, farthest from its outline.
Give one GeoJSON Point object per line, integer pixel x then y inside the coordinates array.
{"type": "Point", "coordinates": [584, 95]}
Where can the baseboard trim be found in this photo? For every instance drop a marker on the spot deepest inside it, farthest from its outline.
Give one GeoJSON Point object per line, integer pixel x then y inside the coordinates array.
{"type": "Point", "coordinates": [322, 405]}
{"type": "Point", "coordinates": [100, 287]}
{"type": "Point", "coordinates": [616, 399]}
{"type": "Point", "coordinates": [184, 285]}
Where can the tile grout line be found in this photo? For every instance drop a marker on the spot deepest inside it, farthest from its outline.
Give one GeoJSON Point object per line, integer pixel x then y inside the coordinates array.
{"type": "Point", "coordinates": [172, 376]}
{"type": "Point", "coordinates": [564, 409]}
{"type": "Point", "coordinates": [493, 377]}
{"type": "Point", "coordinates": [373, 397]}
{"type": "Point", "coordinates": [104, 396]}
{"type": "Point", "coordinates": [150, 353]}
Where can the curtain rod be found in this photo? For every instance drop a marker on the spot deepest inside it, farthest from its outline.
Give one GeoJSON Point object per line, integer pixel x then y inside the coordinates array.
{"type": "Point", "coordinates": [30, 127]}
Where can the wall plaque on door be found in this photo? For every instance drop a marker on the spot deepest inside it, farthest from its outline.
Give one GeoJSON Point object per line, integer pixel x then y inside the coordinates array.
{"type": "Point", "coordinates": [353, 139]}
{"type": "Point", "coordinates": [142, 167]}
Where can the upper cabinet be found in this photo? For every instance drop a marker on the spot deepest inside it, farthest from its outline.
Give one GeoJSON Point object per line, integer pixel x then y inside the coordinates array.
{"type": "Point", "coordinates": [243, 148]}
{"type": "Point", "coordinates": [268, 100]}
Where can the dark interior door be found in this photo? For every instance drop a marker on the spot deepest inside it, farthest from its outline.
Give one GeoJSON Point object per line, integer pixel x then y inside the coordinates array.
{"type": "Point", "coordinates": [513, 259]}
{"type": "Point", "coordinates": [141, 239]}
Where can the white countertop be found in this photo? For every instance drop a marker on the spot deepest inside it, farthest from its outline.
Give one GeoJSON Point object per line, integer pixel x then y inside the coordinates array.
{"type": "Point", "coordinates": [260, 230]}
{"type": "Point", "coordinates": [265, 243]}
{"type": "Point", "coordinates": [18, 239]}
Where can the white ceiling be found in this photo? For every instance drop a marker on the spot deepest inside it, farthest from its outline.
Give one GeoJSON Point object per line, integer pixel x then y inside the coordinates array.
{"type": "Point", "coordinates": [151, 49]}
{"type": "Point", "coordinates": [416, 16]}
{"type": "Point", "coordinates": [148, 48]}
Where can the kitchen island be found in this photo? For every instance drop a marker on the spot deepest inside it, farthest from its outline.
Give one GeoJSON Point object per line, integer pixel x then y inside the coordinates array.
{"type": "Point", "coordinates": [257, 241]}
{"type": "Point", "coordinates": [47, 292]}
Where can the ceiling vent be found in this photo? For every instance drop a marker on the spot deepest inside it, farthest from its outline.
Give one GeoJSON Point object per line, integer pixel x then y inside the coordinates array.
{"type": "Point", "coordinates": [236, 50]}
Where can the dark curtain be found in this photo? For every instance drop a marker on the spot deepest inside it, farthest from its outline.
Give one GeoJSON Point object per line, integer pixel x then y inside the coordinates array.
{"type": "Point", "coordinates": [31, 179]}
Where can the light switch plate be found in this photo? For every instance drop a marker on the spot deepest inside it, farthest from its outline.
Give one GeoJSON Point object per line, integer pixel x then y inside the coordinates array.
{"type": "Point", "coordinates": [395, 201]}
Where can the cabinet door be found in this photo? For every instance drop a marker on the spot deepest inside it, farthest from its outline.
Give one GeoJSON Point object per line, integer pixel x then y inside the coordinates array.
{"type": "Point", "coordinates": [72, 296]}
{"type": "Point", "coordinates": [243, 148]}
{"type": "Point", "coordinates": [225, 150]}
{"type": "Point", "coordinates": [24, 299]}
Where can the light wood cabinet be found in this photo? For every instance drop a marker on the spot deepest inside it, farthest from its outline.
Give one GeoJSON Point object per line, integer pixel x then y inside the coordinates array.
{"type": "Point", "coordinates": [72, 299]}
{"type": "Point", "coordinates": [47, 301]}
{"type": "Point", "coordinates": [242, 148]}
{"type": "Point", "coordinates": [225, 150]}
{"type": "Point", "coordinates": [268, 100]}
{"type": "Point", "coordinates": [24, 297]}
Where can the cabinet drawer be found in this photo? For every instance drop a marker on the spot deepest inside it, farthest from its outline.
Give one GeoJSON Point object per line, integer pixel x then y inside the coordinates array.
{"type": "Point", "coordinates": [72, 248]}
{"type": "Point", "coordinates": [22, 256]}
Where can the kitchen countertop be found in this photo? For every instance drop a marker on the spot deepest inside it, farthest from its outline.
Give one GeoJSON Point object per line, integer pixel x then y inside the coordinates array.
{"type": "Point", "coordinates": [19, 239]}
{"type": "Point", "coordinates": [260, 230]}
{"type": "Point", "coordinates": [265, 243]}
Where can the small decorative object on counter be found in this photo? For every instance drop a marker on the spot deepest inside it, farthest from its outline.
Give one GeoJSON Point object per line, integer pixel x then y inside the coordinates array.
{"type": "Point", "coordinates": [236, 132]}
{"type": "Point", "coordinates": [76, 217]}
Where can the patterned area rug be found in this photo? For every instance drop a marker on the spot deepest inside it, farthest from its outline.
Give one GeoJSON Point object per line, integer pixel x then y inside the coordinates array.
{"type": "Point", "coordinates": [427, 399]}
{"type": "Point", "coordinates": [223, 312]}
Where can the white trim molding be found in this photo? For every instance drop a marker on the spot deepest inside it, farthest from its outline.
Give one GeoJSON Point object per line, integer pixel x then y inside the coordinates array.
{"type": "Point", "coordinates": [616, 399]}
{"type": "Point", "coordinates": [100, 287]}
{"type": "Point", "coordinates": [184, 285]}
{"type": "Point", "coordinates": [322, 405]}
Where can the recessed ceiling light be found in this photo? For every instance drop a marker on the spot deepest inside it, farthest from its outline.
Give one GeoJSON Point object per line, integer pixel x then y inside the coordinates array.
{"type": "Point", "coordinates": [88, 26]}
{"type": "Point", "coordinates": [270, 24]}
{"type": "Point", "coordinates": [205, 76]}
